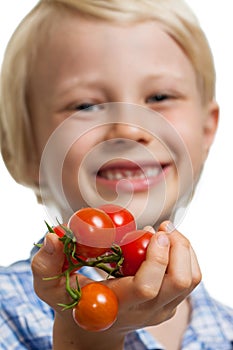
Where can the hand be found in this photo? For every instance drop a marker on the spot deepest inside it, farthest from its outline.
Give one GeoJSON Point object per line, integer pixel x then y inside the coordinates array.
{"type": "Point", "coordinates": [169, 273]}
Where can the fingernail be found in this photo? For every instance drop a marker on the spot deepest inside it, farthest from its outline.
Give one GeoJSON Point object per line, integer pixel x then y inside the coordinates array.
{"type": "Point", "coordinates": [163, 240]}
{"type": "Point", "coordinates": [170, 227]}
{"type": "Point", "coordinates": [48, 245]}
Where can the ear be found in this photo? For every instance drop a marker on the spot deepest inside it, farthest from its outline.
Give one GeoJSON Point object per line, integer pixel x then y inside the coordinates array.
{"type": "Point", "coordinates": [210, 125]}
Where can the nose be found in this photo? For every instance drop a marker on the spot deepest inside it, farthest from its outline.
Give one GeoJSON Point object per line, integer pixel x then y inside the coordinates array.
{"type": "Point", "coordinates": [120, 132]}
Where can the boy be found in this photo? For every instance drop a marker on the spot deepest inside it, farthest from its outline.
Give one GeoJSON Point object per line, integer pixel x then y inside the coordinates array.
{"type": "Point", "coordinates": [105, 59]}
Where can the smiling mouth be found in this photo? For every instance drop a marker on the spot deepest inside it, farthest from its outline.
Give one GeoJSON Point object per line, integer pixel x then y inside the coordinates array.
{"type": "Point", "coordinates": [140, 176]}
{"type": "Point", "coordinates": [133, 174]}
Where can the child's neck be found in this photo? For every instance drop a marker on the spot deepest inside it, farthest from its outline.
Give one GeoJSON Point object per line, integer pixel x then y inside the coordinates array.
{"type": "Point", "coordinates": [170, 333]}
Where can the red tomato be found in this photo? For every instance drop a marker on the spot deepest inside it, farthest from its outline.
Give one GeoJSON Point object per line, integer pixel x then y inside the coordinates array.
{"type": "Point", "coordinates": [93, 230]}
{"type": "Point", "coordinates": [134, 246]}
{"type": "Point", "coordinates": [122, 219]}
{"type": "Point", "coordinates": [97, 309]}
{"type": "Point", "coordinates": [60, 231]}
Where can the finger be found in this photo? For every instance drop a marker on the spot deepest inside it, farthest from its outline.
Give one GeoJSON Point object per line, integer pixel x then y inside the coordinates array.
{"type": "Point", "coordinates": [149, 228]}
{"type": "Point", "coordinates": [171, 307]}
{"type": "Point", "coordinates": [146, 283]}
{"type": "Point", "coordinates": [168, 227]}
{"type": "Point", "coordinates": [180, 268]}
{"type": "Point", "coordinates": [152, 270]}
{"type": "Point", "coordinates": [196, 279]}
{"type": "Point", "coordinates": [183, 266]}
{"type": "Point", "coordinates": [49, 260]}
{"type": "Point", "coordinates": [183, 273]}
{"type": "Point", "coordinates": [196, 271]}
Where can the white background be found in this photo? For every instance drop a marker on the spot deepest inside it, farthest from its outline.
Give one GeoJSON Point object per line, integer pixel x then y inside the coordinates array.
{"type": "Point", "coordinates": [208, 220]}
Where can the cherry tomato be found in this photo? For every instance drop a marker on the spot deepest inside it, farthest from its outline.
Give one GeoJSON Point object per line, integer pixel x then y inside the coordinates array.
{"type": "Point", "coordinates": [134, 246]}
{"type": "Point", "coordinates": [122, 219]}
{"type": "Point", "coordinates": [97, 308]}
{"type": "Point", "coordinates": [59, 230]}
{"type": "Point", "coordinates": [93, 230]}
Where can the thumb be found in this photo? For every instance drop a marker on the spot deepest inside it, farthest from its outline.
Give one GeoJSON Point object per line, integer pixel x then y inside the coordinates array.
{"type": "Point", "coordinates": [49, 283]}
{"type": "Point", "coordinates": [49, 260]}
{"type": "Point", "coordinates": [47, 263]}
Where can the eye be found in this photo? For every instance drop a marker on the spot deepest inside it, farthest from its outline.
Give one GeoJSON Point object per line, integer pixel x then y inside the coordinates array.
{"type": "Point", "coordinates": [86, 106]}
{"type": "Point", "coordinates": [158, 98]}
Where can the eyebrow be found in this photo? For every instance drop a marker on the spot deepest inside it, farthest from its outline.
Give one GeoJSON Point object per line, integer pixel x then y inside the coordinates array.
{"type": "Point", "coordinates": [99, 82]}
{"type": "Point", "coordinates": [70, 84]}
{"type": "Point", "coordinates": [165, 75]}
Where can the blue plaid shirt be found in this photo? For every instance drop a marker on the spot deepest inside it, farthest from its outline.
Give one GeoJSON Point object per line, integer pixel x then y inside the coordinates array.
{"type": "Point", "coordinates": [26, 322]}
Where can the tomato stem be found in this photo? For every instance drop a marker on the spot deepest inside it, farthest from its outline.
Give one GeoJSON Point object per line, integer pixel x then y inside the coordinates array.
{"type": "Point", "coordinates": [50, 229]}
{"type": "Point", "coordinates": [74, 293]}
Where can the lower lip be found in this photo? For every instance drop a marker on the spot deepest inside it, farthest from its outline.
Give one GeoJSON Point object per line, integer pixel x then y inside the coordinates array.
{"type": "Point", "coordinates": [129, 185]}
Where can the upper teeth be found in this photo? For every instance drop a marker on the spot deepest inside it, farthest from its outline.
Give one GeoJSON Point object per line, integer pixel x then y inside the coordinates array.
{"type": "Point", "coordinates": [116, 174]}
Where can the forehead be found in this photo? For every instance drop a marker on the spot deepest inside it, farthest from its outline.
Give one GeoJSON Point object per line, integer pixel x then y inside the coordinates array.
{"type": "Point", "coordinates": [89, 33]}
{"type": "Point", "coordinates": [79, 44]}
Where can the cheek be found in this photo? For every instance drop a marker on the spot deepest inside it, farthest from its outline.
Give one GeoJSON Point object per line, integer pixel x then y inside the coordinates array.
{"type": "Point", "coordinates": [74, 159]}
{"type": "Point", "coordinates": [194, 142]}
{"type": "Point", "coordinates": [79, 149]}
{"type": "Point", "coordinates": [61, 161]}
{"type": "Point", "coordinates": [76, 173]}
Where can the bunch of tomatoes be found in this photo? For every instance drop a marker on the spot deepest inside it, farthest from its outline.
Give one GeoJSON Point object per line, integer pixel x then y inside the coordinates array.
{"type": "Point", "coordinates": [106, 238]}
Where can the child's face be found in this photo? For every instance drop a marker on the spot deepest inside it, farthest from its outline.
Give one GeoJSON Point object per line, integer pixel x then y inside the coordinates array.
{"type": "Point", "coordinates": [88, 62]}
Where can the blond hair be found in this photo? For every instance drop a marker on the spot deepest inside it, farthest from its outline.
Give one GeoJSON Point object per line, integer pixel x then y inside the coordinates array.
{"type": "Point", "coordinates": [16, 139]}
